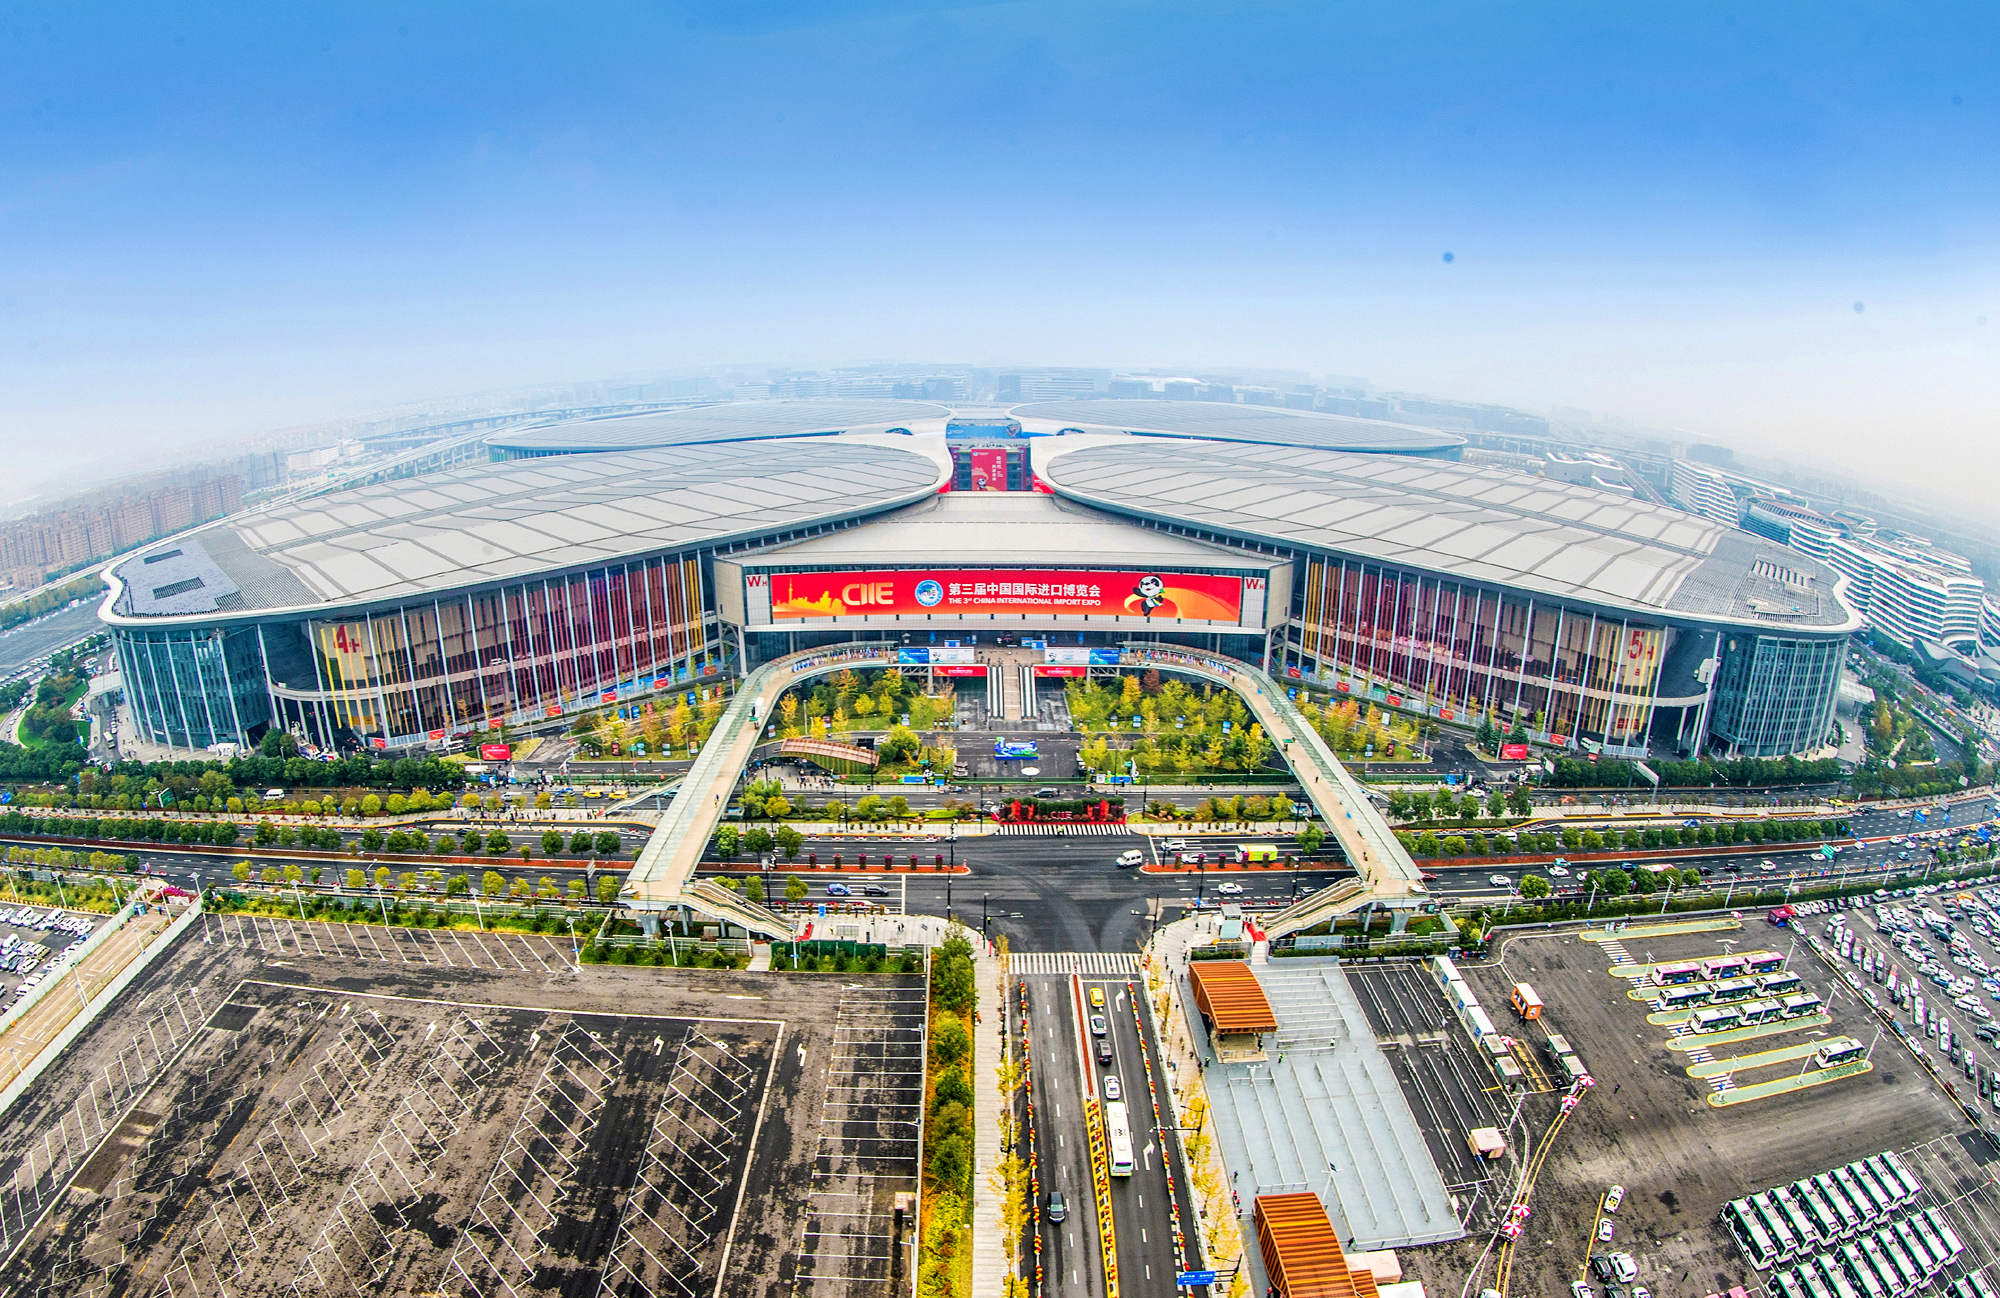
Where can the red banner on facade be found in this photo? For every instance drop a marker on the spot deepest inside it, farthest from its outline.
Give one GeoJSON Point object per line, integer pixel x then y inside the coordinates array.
{"type": "Point", "coordinates": [494, 723]}
{"type": "Point", "coordinates": [951, 669]}
{"type": "Point", "coordinates": [989, 468]}
{"type": "Point", "coordinates": [380, 742]}
{"type": "Point", "coordinates": [552, 710]}
{"type": "Point", "coordinates": [609, 696]}
{"type": "Point", "coordinates": [495, 752]}
{"type": "Point", "coordinates": [437, 736]}
{"type": "Point", "coordinates": [1155, 596]}
{"type": "Point", "coordinates": [1060, 669]}
{"type": "Point", "coordinates": [1513, 752]}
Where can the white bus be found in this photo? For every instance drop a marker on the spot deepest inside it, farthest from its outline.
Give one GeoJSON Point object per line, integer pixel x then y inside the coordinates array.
{"type": "Point", "coordinates": [1715, 1020]}
{"type": "Point", "coordinates": [1118, 1135]}
{"type": "Point", "coordinates": [1743, 1223]}
{"type": "Point", "coordinates": [1842, 1050]}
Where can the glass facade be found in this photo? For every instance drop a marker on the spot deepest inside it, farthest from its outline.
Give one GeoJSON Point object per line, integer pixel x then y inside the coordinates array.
{"type": "Point", "coordinates": [1775, 695]}
{"type": "Point", "coordinates": [1461, 651]}
{"type": "Point", "coordinates": [422, 671]}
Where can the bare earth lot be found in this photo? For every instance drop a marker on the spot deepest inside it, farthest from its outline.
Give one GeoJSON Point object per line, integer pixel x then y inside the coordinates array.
{"type": "Point", "coordinates": [1648, 1126]}
{"type": "Point", "coordinates": [325, 1109]}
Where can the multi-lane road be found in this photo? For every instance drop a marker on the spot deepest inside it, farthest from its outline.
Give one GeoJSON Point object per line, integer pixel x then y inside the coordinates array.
{"type": "Point", "coordinates": [1067, 1075]}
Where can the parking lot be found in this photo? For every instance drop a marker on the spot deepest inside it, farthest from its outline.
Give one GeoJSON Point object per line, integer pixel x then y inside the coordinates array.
{"type": "Point", "coordinates": [1649, 1124]}
{"type": "Point", "coordinates": [270, 1103]}
{"type": "Point", "coordinates": [35, 944]}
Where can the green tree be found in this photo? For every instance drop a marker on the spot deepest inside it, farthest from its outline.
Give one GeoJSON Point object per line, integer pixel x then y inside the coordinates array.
{"type": "Point", "coordinates": [498, 843]}
{"type": "Point", "coordinates": [727, 840]}
{"type": "Point", "coordinates": [1311, 838]}
{"type": "Point", "coordinates": [241, 870]}
{"type": "Point", "coordinates": [355, 880]}
{"type": "Point", "coordinates": [381, 877]}
{"type": "Point", "coordinates": [458, 885]}
{"type": "Point", "coordinates": [795, 889]}
{"type": "Point", "coordinates": [757, 840]}
{"type": "Point", "coordinates": [1614, 883]}
{"type": "Point", "coordinates": [491, 883]}
{"type": "Point", "coordinates": [753, 888]}
{"type": "Point", "coordinates": [579, 843]}
{"type": "Point", "coordinates": [606, 843]}
{"type": "Point", "coordinates": [1534, 887]}
{"type": "Point", "coordinates": [607, 889]}
{"type": "Point", "coordinates": [371, 839]}
{"type": "Point", "coordinates": [950, 1042]}
{"type": "Point", "coordinates": [552, 842]}
{"type": "Point", "coordinates": [789, 841]}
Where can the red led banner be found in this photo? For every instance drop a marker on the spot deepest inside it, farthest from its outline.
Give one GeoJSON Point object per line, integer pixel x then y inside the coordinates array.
{"type": "Point", "coordinates": [1162, 596]}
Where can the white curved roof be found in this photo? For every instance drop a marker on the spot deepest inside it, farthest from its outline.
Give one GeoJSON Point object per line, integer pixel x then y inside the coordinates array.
{"type": "Point", "coordinates": [1473, 523]}
{"type": "Point", "coordinates": [481, 523]}
{"type": "Point", "coordinates": [1225, 422]}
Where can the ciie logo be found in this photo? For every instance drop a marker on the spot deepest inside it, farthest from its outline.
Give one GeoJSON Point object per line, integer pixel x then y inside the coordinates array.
{"type": "Point", "coordinates": [861, 593]}
{"type": "Point", "coordinates": [929, 593]}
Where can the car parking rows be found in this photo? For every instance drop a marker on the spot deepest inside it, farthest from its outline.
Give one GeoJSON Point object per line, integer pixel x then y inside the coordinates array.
{"type": "Point", "coordinates": [504, 952]}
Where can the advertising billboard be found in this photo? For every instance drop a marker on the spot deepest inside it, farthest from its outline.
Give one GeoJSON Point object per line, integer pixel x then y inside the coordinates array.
{"type": "Point", "coordinates": [989, 468]}
{"type": "Point", "coordinates": [1165, 596]}
{"type": "Point", "coordinates": [1513, 752]}
{"type": "Point", "coordinates": [918, 655]}
{"type": "Point", "coordinates": [972, 669]}
{"type": "Point", "coordinates": [1080, 654]}
{"type": "Point", "coordinates": [1060, 669]}
{"type": "Point", "coordinates": [495, 752]}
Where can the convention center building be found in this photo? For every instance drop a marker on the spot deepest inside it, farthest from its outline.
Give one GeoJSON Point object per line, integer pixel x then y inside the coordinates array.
{"type": "Point", "coordinates": [604, 560]}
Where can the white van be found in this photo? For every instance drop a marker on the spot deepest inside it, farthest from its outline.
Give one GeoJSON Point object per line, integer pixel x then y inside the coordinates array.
{"type": "Point", "coordinates": [1126, 860]}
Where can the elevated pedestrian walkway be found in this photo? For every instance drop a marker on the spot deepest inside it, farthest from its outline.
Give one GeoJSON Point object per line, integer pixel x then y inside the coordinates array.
{"type": "Point", "coordinates": [1389, 879]}
{"type": "Point", "coordinates": [662, 878]}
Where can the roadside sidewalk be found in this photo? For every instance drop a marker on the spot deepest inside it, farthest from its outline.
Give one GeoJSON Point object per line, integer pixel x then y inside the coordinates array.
{"type": "Point", "coordinates": [989, 1258]}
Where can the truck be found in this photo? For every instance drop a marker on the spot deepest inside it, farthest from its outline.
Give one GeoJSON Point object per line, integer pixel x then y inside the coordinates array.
{"type": "Point", "coordinates": [1249, 852]}
{"type": "Point", "coordinates": [1781, 916]}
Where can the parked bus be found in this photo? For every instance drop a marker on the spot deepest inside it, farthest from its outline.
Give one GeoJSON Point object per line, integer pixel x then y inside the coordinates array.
{"type": "Point", "coordinates": [1764, 962]}
{"type": "Point", "coordinates": [1894, 1162]}
{"type": "Point", "coordinates": [1892, 1276]}
{"type": "Point", "coordinates": [1836, 1278]}
{"type": "Point", "coordinates": [1742, 1222]}
{"type": "Point", "coordinates": [1861, 1273]}
{"type": "Point", "coordinates": [1826, 1222]}
{"type": "Point", "coordinates": [1787, 1284]}
{"type": "Point", "coordinates": [1775, 1225]}
{"type": "Point", "coordinates": [1885, 1176]}
{"type": "Point", "coordinates": [1795, 1217]}
{"type": "Point", "coordinates": [1715, 1020]}
{"type": "Point", "coordinates": [1732, 989]}
{"type": "Point", "coordinates": [1797, 1007]}
{"type": "Point", "coordinates": [1863, 1203]}
{"type": "Point", "coordinates": [1686, 998]}
{"type": "Point", "coordinates": [1724, 966]}
{"type": "Point", "coordinates": [1779, 984]}
{"type": "Point", "coordinates": [1669, 975]}
{"type": "Point", "coordinates": [1913, 1244]}
{"type": "Point", "coordinates": [1944, 1231]}
{"type": "Point", "coordinates": [1841, 1050]}
{"type": "Point", "coordinates": [1836, 1198]}
{"type": "Point", "coordinates": [1809, 1276]}
{"type": "Point", "coordinates": [1761, 1011]}
{"type": "Point", "coordinates": [1873, 1192]}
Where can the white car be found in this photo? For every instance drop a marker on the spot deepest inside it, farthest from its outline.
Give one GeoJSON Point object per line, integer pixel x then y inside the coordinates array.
{"type": "Point", "coordinates": [1499, 881]}
{"type": "Point", "coordinates": [1112, 1089]}
{"type": "Point", "coordinates": [1559, 871]}
{"type": "Point", "coordinates": [1230, 888]}
{"type": "Point", "coordinates": [1613, 1197]}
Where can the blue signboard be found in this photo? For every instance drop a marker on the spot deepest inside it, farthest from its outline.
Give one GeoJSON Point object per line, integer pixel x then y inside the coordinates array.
{"type": "Point", "coordinates": [1186, 1278]}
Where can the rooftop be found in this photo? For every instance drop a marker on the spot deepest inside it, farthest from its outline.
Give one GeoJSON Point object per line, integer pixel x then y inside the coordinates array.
{"type": "Point", "coordinates": [1234, 1001]}
{"type": "Point", "coordinates": [992, 527]}
{"type": "Point", "coordinates": [706, 425]}
{"type": "Point", "coordinates": [1465, 521]}
{"type": "Point", "coordinates": [482, 523]}
{"type": "Point", "coordinates": [1259, 425]}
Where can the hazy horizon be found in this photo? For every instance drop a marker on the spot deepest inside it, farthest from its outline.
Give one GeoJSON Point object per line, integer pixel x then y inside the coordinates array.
{"type": "Point", "coordinates": [228, 223]}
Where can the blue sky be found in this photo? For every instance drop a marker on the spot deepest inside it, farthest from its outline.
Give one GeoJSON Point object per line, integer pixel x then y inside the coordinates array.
{"type": "Point", "coordinates": [230, 219]}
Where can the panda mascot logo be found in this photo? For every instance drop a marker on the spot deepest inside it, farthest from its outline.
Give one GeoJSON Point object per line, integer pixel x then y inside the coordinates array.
{"type": "Point", "coordinates": [1150, 593]}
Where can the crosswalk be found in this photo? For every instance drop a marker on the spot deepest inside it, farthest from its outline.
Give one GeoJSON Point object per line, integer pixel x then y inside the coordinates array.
{"type": "Point", "coordinates": [1088, 964]}
{"type": "Point", "coordinates": [1069, 830]}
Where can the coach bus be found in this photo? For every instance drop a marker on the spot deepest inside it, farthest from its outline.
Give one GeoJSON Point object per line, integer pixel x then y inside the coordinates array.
{"type": "Point", "coordinates": [1841, 1050]}
{"type": "Point", "coordinates": [1732, 989]}
{"type": "Point", "coordinates": [1118, 1135]}
{"type": "Point", "coordinates": [1724, 966]}
{"type": "Point", "coordinates": [1764, 962]}
{"type": "Point", "coordinates": [1779, 984]}
{"type": "Point", "coordinates": [1672, 975]}
{"type": "Point", "coordinates": [1686, 998]}
{"type": "Point", "coordinates": [1749, 1231]}
{"type": "Point", "coordinates": [1715, 1020]}
{"type": "Point", "coordinates": [1797, 1007]}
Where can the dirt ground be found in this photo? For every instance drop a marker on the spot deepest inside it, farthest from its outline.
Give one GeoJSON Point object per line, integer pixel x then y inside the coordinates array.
{"type": "Point", "coordinates": [1647, 1125]}
{"type": "Point", "coordinates": [244, 1117]}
